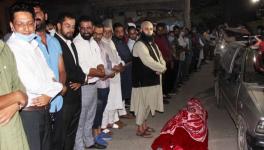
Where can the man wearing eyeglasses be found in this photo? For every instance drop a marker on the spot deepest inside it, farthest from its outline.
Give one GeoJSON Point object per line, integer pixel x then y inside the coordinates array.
{"type": "Point", "coordinates": [35, 74]}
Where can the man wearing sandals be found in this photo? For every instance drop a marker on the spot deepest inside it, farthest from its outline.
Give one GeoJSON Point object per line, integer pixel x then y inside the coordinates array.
{"type": "Point", "coordinates": [147, 67]}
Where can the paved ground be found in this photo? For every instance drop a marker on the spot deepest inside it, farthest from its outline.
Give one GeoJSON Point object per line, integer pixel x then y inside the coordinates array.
{"type": "Point", "coordinates": [222, 132]}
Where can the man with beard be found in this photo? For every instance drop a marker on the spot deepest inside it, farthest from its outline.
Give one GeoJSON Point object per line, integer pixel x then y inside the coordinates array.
{"type": "Point", "coordinates": [75, 77]}
{"type": "Point", "coordinates": [147, 67]}
{"type": "Point", "coordinates": [162, 41]}
{"type": "Point", "coordinates": [35, 74]}
{"type": "Point", "coordinates": [91, 63]}
{"type": "Point", "coordinates": [52, 52]}
{"type": "Point", "coordinates": [125, 54]}
{"type": "Point", "coordinates": [114, 102]}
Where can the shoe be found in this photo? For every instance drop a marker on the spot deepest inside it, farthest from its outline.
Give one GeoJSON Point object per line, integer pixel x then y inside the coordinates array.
{"type": "Point", "coordinates": [100, 141]}
{"type": "Point", "coordinates": [105, 136]}
{"type": "Point", "coordinates": [97, 146]}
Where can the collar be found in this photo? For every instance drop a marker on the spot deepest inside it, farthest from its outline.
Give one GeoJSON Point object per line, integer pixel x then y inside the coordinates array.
{"type": "Point", "coordinates": [65, 40]}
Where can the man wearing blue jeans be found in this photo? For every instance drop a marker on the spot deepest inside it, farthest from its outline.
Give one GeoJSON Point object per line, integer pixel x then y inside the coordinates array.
{"type": "Point", "coordinates": [103, 87]}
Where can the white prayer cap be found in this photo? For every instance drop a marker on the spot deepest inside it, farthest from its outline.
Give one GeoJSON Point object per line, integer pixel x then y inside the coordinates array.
{"type": "Point", "coordinates": [131, 24]}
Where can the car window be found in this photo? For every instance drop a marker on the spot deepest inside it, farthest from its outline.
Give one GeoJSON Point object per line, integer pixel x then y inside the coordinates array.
{"type": "Point", "coordinates": [236, 64]}
{"type": "Point", "coordinates": [227, 61]}
{"type": "Point", "coordinates": [254, 67]}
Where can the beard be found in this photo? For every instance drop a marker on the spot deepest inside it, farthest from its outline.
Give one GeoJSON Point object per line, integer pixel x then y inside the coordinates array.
{"type": "Point", "coordinates": [147, 37]}
{"type": "Point", "coordinates": [40, 25]}
{"type": "Point", "coordinates": [67, 36]}
{"type": "Point", "coordinates": [86, 36]}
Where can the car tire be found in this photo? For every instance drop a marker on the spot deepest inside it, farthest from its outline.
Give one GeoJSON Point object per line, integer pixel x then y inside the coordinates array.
{"type": "Point", "coordinates": [241, 135]}
{"type": "Point", "coordinates": [218, 93]}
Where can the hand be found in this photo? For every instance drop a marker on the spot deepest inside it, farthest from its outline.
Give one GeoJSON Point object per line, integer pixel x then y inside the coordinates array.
{"type": "Point", "coordinates": [75, 86]}
{"type": "Point", "coordinates": [122, 68]}
{"type": "Point", "coordinates": [7, 113]}
{"type": "Point", "coordinates": [21, 98]}
{"type": "Point", "coordinates": [42, 100]}
{"type": "Point", "coordinates": [112, 75]}
{"type": "Point", "coordinates": [101, 68]}
{"type": "Point", "coordinates": [64, 90]}
{"type": "Point", "coordinates": [109, 76]}
{"type": "Point", "coordinates": [118, 68]}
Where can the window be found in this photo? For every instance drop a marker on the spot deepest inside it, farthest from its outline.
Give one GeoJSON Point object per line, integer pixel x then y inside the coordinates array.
{"type": "Point", "coordinates": [254, 67]}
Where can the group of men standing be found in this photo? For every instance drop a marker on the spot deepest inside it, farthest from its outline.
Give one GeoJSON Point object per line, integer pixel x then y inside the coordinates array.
{"type": "Point", "coordinates": [61, 92]}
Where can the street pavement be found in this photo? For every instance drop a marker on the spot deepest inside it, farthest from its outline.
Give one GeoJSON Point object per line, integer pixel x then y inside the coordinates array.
{"type": "Point", "coordinates": [222, 131]}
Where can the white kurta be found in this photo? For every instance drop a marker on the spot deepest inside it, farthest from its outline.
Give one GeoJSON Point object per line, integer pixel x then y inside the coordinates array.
{"type": "Point", "coordinates": [115, 96]}
{"type": "Point", "coordinates": [150, 98]}
{"type": "Point", "coordinates": [114, 102]}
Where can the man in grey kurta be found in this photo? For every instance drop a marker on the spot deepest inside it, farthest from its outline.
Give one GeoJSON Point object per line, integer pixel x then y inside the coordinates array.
{"type": "Point", "coordinates": [147, 67]}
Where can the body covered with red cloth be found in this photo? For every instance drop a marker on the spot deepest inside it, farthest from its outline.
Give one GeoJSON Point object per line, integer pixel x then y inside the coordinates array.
{"type": "Point", "coordinates": [187, 130]}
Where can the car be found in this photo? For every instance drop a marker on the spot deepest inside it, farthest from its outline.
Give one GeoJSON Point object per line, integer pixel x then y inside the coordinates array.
{"type": "Point", "coordinates": [239, 87]}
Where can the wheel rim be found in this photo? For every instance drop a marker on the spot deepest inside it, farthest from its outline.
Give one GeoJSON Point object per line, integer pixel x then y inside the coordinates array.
{"type": "Point", "coordinates": [242, 143]}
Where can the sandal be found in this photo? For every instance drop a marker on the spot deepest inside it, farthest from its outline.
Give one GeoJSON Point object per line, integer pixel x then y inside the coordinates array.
{"type": "Point", "coordinates": [144, 134]}
{"type": "Point", "coordinates": [149, 129]}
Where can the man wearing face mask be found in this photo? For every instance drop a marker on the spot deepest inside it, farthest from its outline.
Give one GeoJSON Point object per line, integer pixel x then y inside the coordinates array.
{"type": "Point", "coordinates": [35, 74]}
{"type": "Point", "coordinates": [147, 67]}
{"type": "Point", "coordinates": [91, 63]}
{"type": "Point", "coordinates": [75, 77]}
{"type": "Point", "coordinates": [52, 52]}
{"type": "Point", "coordinates": [51, 28]}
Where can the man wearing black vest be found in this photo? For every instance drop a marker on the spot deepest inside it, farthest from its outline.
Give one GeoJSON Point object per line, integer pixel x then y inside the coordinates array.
{"type": "Point", "coordinates": [147, 67]}
{"type": "Point", "coordinates": [75, 78]}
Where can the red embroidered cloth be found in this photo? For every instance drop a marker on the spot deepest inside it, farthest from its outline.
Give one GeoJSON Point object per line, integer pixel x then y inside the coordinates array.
{"type": "Point", "coordinates": [187, 130]}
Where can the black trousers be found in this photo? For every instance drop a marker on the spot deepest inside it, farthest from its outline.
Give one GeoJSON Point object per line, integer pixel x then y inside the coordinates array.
{"type": "Point", "coordinates": [70, 118]}
{"type": "Point", "coordinates": [168, 80]}
{"type": "Point", "coordinates": [37, 128]}
{"type": "Point", "coordinates": [56, 132]}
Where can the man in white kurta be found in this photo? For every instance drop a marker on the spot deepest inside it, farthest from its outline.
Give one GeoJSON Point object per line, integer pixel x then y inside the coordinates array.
{"type": "Point", "coordinates": [146, 93]}
{"type": "Point", "coordinates": [114, 103]}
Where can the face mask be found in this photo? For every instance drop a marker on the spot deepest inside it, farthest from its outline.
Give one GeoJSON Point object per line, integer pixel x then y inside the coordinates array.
{"type": "Point", "coordinates": [52, 32]}
{"type": "Point", "coordinates": [26, 38]}
{"type": "Point", "coordinates": [171, 38]}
